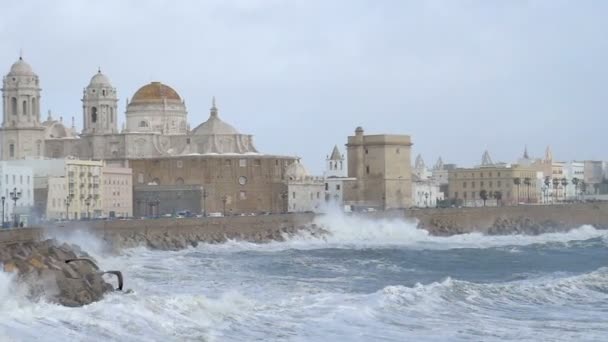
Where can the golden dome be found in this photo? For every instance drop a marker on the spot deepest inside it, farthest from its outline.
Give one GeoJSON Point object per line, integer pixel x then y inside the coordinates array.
{"type": "Point", "coordinates": [155, 91]}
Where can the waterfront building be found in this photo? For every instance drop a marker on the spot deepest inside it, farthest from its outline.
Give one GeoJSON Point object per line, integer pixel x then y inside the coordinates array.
{"type": "Point", "coordinates": [117, 191]}
{"type": "Point", "coordinates": [425, 192]}
{"type": "Point", "coordinates": [16, 182]}
{"type": "Point", "coordinates": [381, 168]}
{"type": "Point", "coordinates": [335, 176]}
{"type": "Point", "coordinates": [305, 193]}
{"type": "Point", "coordinates": [501, 184]}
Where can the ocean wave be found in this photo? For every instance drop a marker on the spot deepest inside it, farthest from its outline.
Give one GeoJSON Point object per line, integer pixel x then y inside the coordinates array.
{"type": "Point", "coordinates": [356, 232]}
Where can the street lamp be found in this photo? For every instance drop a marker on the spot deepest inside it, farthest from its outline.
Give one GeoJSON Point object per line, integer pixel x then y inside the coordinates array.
{"type": "Point", "coordinates": [87, 202]}
{"type": "Point", "coordinates": [204, 202]}
{"type": "Point", "coordinates": [3, 199]}
{"type": "Point", "coordinates": [224, 200]}
{"type": "Point", "coordinates": [68, 201]}
{"type": "Point", "coordinates": [15, 196]}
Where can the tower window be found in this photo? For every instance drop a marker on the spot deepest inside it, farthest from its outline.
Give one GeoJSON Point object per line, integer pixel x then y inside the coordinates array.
{"type": "Point", "coordinates": [14, 105]}
{"type": "Point", "coordinates": [103, 92]}
{"type": "Point", "coordinates": [24, 108]}
{"type": "Point", "coordinates": [367, 169]}
{"type": "Point", "coordinates": [143, 124]}
{"type": "Point", "coordinates": [93, 114]}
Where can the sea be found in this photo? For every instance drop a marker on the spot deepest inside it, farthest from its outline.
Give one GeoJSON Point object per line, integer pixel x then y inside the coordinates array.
{"type": "Point", "coordinates": [368, 280]}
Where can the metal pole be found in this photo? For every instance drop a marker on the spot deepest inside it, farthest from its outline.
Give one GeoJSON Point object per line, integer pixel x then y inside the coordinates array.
{"type": "Point", "coordinates": [3, 198]}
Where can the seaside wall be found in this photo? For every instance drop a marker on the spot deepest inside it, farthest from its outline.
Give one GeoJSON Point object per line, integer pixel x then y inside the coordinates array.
{"type": "Point", "coordinates": [513, 219]}
{"type": "Point", "coordinates": [169, 233]}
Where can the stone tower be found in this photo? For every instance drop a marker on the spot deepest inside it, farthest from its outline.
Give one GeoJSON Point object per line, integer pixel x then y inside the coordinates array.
{"type": "Point", "coordinates": [22, 135]}
{"type": "Point", "coordinates": [99, 106]}
{"type": "Point", "coordinates": [335, 164]}
{"type": "Point", "coordinates": [382, 167]}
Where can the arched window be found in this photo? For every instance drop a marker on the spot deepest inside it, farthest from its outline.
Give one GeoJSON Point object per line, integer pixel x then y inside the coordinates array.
{"type": "Point", "coordinates": [179, 181]}
{"type": "Point", "coordinates": [103, 92]}
{"type": "Point", "coordinates": [14, 105]}
{"type": "Point", "coordinates": [93, 114]}
{"type": "Point", "coordinates": [24, 107]}
{"type": "Point", "coordinates": [34, 111]}
{"type": "Point", "coordinates": [11, 150]}
{"type": "Point", "coordinates": [143, 124]}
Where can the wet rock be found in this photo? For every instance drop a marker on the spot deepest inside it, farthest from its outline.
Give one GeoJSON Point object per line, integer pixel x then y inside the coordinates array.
{"type": "Point", "coordinates": [41, 267]}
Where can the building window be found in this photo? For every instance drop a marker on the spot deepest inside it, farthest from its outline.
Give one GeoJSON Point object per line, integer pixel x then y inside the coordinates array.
{"type": "Point", "coordinates": [243, 195]}
{"type": "Point", "coordinates": [465, 195]}
{"type": "Point", "coordinates": [257, 162]}
{"type": "Point", "coordinates": [367, 169]}
{"type": "Point", "coordinates": [242, 162]}
{"type": "Point", "coordinates": [180, 164]}
{"type": "Point", "coordinates": [491, 184]}
{"type": "Point", "coordinates": [481, 184]}
{"type": "Point", "coordinates": [11, 150]}
{"type": "Point", "coordinates": [498, 183]}
{"type": "Point", "coordinates": [93, 114]}
{"type": "Point", "coordinates": [481, 174]}
{"type": "Point", "coordinates": [143, 124]}
{"type": "Point", "coordinates": [464, 185]}
{"type": "Point", "coordinates": [187, 141]}
{"type": "Point", "coordinates": [473, 185]}
{"type": "Point", "coordinates": [14, 105]}
{"type": "Point", "coordinates": [366, 151]}
{"type": "Point", "coordinates": [498, 174]}
{"type": "Point", "coordinates": [293, 195]}
{"type": "Point", "coordinates": [456, 194]}
{"type": "Point", "coordinates": [326, 186]}
{"type": "Point", "coordinates": [337, 186]}
{"type": "Point", "coordinates": [24, 107]}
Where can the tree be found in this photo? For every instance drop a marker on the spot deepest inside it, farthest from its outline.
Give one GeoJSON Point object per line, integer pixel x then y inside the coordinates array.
{"type": "Point", "coordinates": [575, 181]}
{"type": "Point", "coordinates": [498, 196]}
{"type": "Point", "coordinates": [564, 184]}
{"type": "Point", "coordinates": [527, 182]}
{"type": "Point", "coordinates": [517, 182]}
{"type": "Point", "coordinates": [484, 196]}
{"type": "Point", "coordinates": [555, 185]}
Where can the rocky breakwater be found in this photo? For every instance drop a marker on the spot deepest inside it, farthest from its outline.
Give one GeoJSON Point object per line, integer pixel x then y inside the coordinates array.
{"type": "Point", "coordinates": [41, 266]}
{"type": "Point", "coordinates": [183, 238]}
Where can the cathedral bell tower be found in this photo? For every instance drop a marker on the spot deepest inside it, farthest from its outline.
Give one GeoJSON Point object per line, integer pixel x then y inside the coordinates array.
{"type": "Point", "coordinates": [21, 134]}
{"type": "Point", "coordinates": [99, 106]}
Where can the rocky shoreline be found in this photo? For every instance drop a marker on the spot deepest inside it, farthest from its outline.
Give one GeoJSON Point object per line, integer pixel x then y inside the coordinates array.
{"type": "Point", "coordinates": [41, 267]}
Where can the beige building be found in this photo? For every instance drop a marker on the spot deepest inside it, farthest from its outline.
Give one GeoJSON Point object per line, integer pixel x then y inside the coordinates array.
{"type": "Point", "coordinates": [305, 193]}
{"type": "Point", "coordinates": [117, 191]}
{"type": "Point", "coordinates": [381, 167]}
{"type": "Point", "coordinates": [499, 183]}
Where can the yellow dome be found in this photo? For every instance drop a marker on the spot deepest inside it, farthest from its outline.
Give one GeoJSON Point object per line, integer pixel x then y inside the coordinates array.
{"type": "Point", "coordinates": [155, 91]}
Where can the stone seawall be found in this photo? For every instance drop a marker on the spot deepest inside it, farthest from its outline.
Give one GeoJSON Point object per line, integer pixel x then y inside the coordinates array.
{"type": "Point", "coordinates": [170, 233]}
{"type": "Point", "coordinates": [511, 220]}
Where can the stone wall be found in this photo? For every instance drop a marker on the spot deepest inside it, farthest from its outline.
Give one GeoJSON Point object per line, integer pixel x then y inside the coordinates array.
{"type": "Point", "coordinates": [508, 219]}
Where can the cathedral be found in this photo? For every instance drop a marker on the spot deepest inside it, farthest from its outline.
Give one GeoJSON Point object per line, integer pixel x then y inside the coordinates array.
{"type": "Point", "coordinates": [156, 124]}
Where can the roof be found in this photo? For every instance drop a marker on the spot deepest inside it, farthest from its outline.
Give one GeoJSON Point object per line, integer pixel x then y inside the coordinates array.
{"type": "Point", "coordinates": [335, 154]}
{"type": "Point", "coordinates": [155, 91]}
{"type": "Point", "coordinates": [100, 79]}
{"type": "Point", "coordinates": [21, 68]}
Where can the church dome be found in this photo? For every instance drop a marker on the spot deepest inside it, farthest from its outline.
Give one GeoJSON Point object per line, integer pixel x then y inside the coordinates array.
{"type": "Point", "coordinates": [214, 125]}
{"type": "Point", "coordinates": [155, 91]}
{"type": "Point", "coordinates": [100, 79]}
{"type": "Point", "coordinates": [21, 68]}
{"type": "Point", "coordinates": [296, 171]}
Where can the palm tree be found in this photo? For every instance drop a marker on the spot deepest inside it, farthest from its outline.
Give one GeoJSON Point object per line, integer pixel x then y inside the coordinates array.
{"type": "Point", "coordinates": [547, 185]}
{"type": "Point", "coordinates": [498, 196]}
{"type": "Point", "coordinates": [555, 185]}
{"type": "Point", "coordinates": [527, 182]}
{"type": "Point", "coordinates": [517, 182]}
{"type": "Point", "coordinates": [564, 184]}
{"type": "Point", "coordinates": [575, 182]}
{"type": "Point", "coordinates": [483, 194]}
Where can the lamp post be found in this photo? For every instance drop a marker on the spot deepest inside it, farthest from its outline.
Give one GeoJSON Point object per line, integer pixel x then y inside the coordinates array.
{"type": "Point", "coordinates": [3, 199]}
{"type": "Point", "coordinates": [15, 196]}
{"type": "Point", "coordinates": [426, 199]}
{"type": "Point", "coordinates": [224, 200]}
{"type": "Point", "coordinates": [87, 202]}
{"type": "Point", "coordinates": [68, 201]}
{"type": "Point", "coordinates": [204, 202]}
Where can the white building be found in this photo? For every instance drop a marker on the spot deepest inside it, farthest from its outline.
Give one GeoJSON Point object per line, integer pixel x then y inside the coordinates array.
{"type": "Point", "coordinates": [334, 177]}
{"type": "Point", "coordinates": [304, 193]}
{"type": "Point", "coordinates": [425, 193]}
{"type": "Point", "coordinates": [19, 180]}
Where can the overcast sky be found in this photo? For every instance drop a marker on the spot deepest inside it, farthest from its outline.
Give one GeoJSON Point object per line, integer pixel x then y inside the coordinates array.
{"type": "Point", "coordinates": [460, 77]}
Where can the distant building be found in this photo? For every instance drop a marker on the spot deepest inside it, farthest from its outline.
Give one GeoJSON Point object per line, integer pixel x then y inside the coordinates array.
{"type": "Point", "coordinates": [117, 191]}
{"type": "Point", "coordinates": [16, 179]}
{"type": "Point", "coordinates": [426, 190]}
{"type": "Point", "coordinates": [594, 172]}
{"type": "Point", "coordinates": [159, 200]}
{"type": "Point", "coordinates": [335, 176]}
{"type": "Point", "coordinates": [498, 182]}
{"type": "Point", "coordinates": [304, 192]}
{"type": "Point", "coordinates": [381, 166]}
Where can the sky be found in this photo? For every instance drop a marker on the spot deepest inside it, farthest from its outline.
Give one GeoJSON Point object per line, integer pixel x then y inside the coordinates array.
{"type": "Point", "coordinates": [459, 77]}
